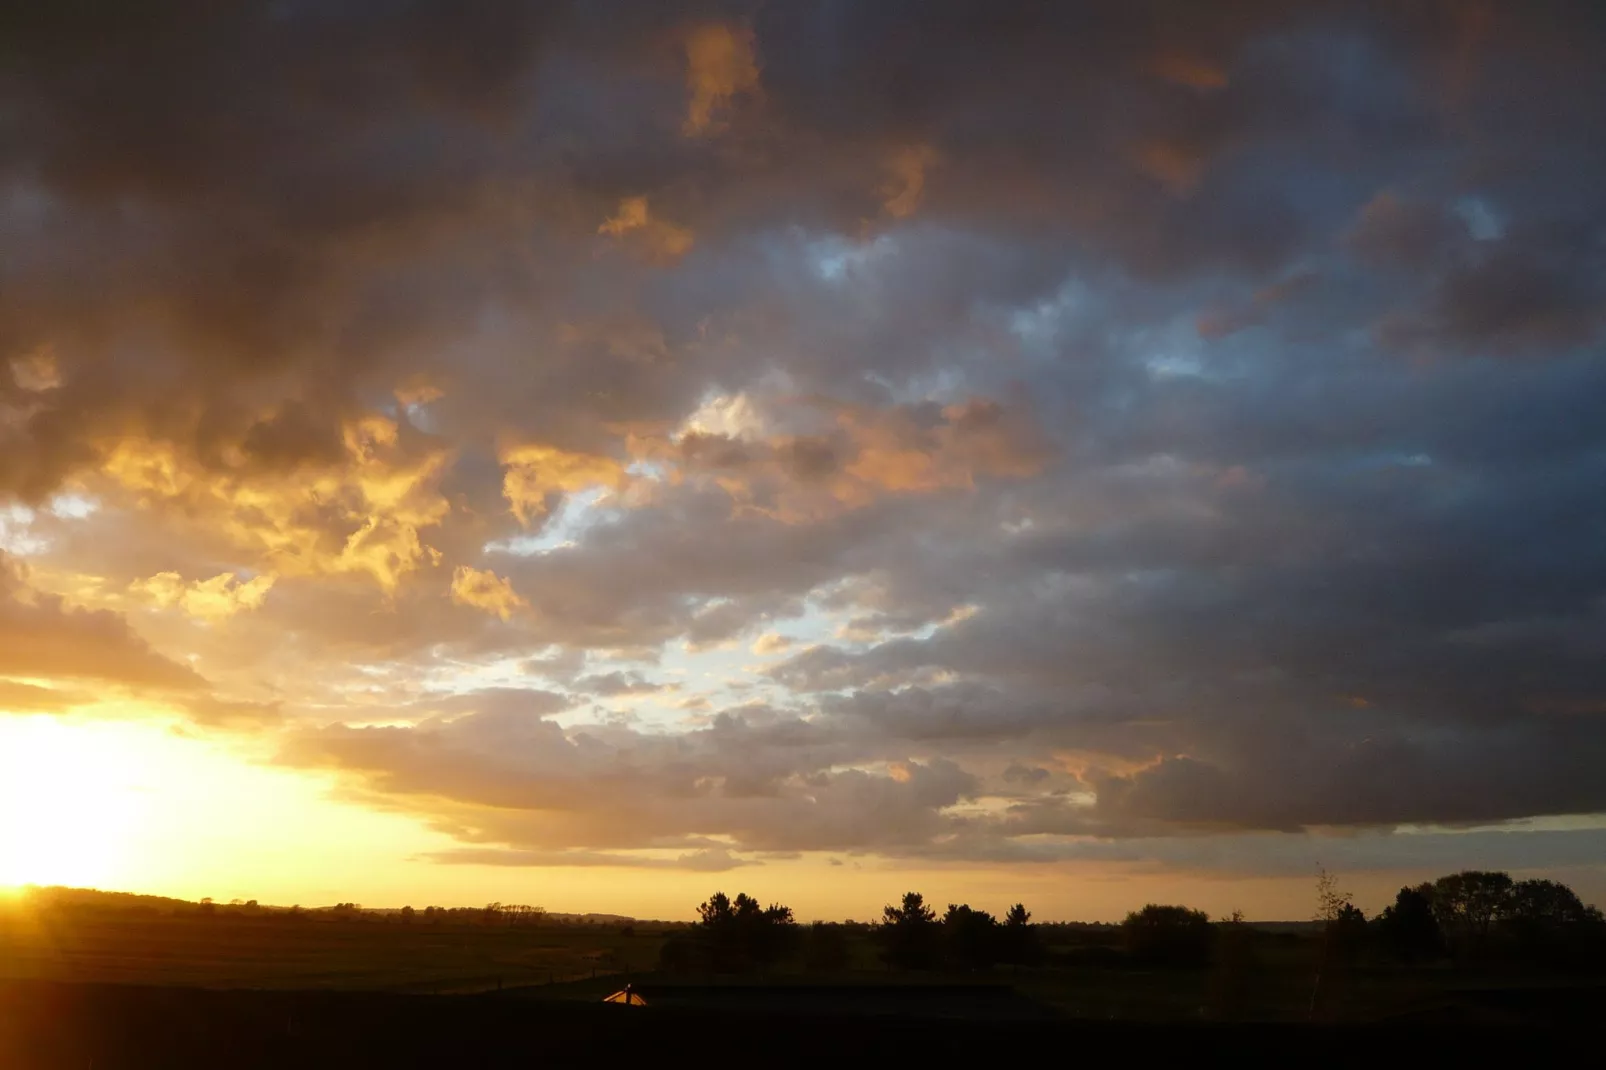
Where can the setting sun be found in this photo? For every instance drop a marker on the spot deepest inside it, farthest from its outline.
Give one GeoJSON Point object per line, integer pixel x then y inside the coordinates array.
{"type": "Point", "coordinates": [69, 797]}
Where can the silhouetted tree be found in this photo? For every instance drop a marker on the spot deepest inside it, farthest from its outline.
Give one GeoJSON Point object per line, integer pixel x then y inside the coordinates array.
{"type": "Point", "coordinates": [1021, 943]}
{"type": "Point", "coordinates": [1543, 904]}
{"type": "Point", "coordinates": [1348, 930]}
{"type": "Point", "coordinates": [1407, 928]}
{"type": "Point", "coordinates": [1467, 904]}
{"type": "Point", "coordinates": [827, 949]}
{"type": "Point", "coordinates": [1234, 961]}
{"type": "Point", "coordinates": [909, 933]}
{"type": "Point", "coordinates": [1343, 932]}
{"type": "Point", "coordinates": [678, 954]}
{"type": "Point", "coordinates": [772, 935]}
{"type": "Point", "coordinates": [971, 937]}
{"type": "Point", "coordinates": [1168, 935]}
{"type": "Point", "coordinates": [738, 934]}
{"type": "Point", "coordinates": [1546, 924]}
{"type": "Point", "coordinates": [1330, 902]}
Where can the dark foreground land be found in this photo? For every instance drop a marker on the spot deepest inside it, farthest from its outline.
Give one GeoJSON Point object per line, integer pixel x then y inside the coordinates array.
{"type": "Point", "coordinates": [96, 1026]}
{"type": "Point", "coordinates": [97, 982]}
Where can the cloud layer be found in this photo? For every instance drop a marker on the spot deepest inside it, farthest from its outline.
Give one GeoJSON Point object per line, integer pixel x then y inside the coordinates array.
{"type": "Point", "coordinates": [696, 434]}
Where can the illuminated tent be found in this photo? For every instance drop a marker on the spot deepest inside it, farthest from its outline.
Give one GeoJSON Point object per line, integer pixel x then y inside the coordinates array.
{"type": "Point", "coordinates": [628, 996]}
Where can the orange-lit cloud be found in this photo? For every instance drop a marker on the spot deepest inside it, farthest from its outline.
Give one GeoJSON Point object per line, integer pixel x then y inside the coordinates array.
{"type": "Point", "coordinates": [362, 514]}
{"type": "Point", "coordinates": [771, 643]}
{"type": "Point", "coordinates": [720, 65]}
{"type": "Point", "coordinates": [906, 183]}
{"type": "Point", "coordinates": [975, 438]}
{"type": "Point", "coordinates": [215, 599]}
{"type": "Point", "coordinates": [861, 455]}
{"type": "Point", "coordinates": [18, 697]}
{"type": "Point", "coordinates": [484, 589]}
{"type": "Point", "coordinates": [536, 474]}
{"type": "Point", "coordinates": [1174, 166]}
{"type": "Point", "coordinates": [658, 241]}
{"type": "Point", "coordinates": [1190, 71]}
{"type": "Point", "coordinates": [44, 638]}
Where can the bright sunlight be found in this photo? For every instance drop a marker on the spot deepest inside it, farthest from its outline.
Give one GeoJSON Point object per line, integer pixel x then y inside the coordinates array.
{"type": "Point", "coordinates": [69, 796]}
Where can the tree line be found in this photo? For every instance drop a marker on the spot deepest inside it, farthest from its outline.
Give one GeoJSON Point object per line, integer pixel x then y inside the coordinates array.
{"type": "Point", "coordinates": [1473, 917]}
{"type": "Point", "coordinates": [741, 935]}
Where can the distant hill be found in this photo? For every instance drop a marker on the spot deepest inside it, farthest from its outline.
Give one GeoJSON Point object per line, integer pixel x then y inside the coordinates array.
{"type": "Point", "coordinates": [1286, 926]}
{"type": "Point", "coordinates": [56, 895]}
{"type": "Point", "coordinates": [95, 899]}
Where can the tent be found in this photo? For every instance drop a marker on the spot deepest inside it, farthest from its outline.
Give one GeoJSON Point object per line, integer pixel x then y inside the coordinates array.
{"type": "Point", "coordinates": [628, 996]}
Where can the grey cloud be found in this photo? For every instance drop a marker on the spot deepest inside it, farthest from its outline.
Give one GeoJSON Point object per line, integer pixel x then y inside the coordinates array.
{"type": "Point", "coordinates": [708, 860]}
{"type": "Point", "coordinates": [526, 782]}
{"type": "Point", "coordinates": [1022, 774]}
{"type": "Point", "coordinates": [1407, 233]}
{"type": "Point", "coordinates": [621, 683]}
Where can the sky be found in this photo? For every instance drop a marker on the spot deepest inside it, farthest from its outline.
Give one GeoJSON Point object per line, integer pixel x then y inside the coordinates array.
{"type": "Point", "coordinates": [594, 454]}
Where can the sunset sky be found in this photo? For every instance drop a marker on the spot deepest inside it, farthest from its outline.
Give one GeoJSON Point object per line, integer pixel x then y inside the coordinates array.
{"type": "Point", "coordinates": [591, 454]}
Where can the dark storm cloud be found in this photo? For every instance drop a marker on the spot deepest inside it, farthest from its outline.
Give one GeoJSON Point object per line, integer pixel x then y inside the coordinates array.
{"type": "Point", "coordinates": [1188, 416]}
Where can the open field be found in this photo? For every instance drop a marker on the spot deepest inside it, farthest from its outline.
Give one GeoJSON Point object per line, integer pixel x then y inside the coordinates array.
{"type": "Point", "coordinates": [1083, 975]}
{"type": "Point", "coordinates": [49, 1025]}
{"type": "Point", "coordinates": [178, 985]}
{"type": "Point", "coordinates": [277, 951]}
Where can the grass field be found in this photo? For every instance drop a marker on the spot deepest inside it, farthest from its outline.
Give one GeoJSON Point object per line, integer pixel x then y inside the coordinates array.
{"type": "Point", "coordinates": [273, 951]}
{"type": "Point", "coordinates": [183, 945]}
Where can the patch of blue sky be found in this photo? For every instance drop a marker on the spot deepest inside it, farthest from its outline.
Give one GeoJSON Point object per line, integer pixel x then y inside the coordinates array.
{"type": "Point", "coordinates": [420, 416]}
{"type": "Point", "coordinates": [1172, 351]}
{"type": "Point", "coordinates": [1483, 222]}
{"type": "Point", "coordinates": [1397, 458]}
{"type": "Point", "coordinates": [1557, 823]}
{"type": "Point", "coordinates": [834, 258]}
{"type": "Point", "coordinates": [1038, 328]}
{"type": "Point", "coordinates": [945, 385]}
{"type": "Point", "coordinates": [579, 512]}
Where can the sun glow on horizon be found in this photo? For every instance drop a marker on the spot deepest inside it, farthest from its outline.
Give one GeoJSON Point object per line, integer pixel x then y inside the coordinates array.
{"type": "Point", "coordinates": [135, 805]}
{"type": "Point", "coordinates": [68, 801]}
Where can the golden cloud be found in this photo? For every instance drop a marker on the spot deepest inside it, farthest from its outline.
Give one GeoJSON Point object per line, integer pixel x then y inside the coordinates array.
{"type": "Point", "coordinates": [43, 638]}
{"type": "Point", "coordinates": [536, 473]}
{"type": "Point", "coordinates": [720, 64]}
{"type": "Point", "coordinates": [771, 643]}
{"type": "Point", "coordinates": [484, 589]}
{"type": "Point", "coordinates": [656, 239]}
{"type": "Point", "coordinates": [1190, 71]}
{"type": "Point", "coordinates": [215, 599]}
{"type": "Point", "coordinates": [18, 697]}
{"type": "Point", "coordinates": [906, 181]}
{"type": "Point", "coordinates": [868, 454]}
{"type": "Point", "coordinates": [360, 515]}
{"type": "Point", "coordinates": [1176, 168]}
